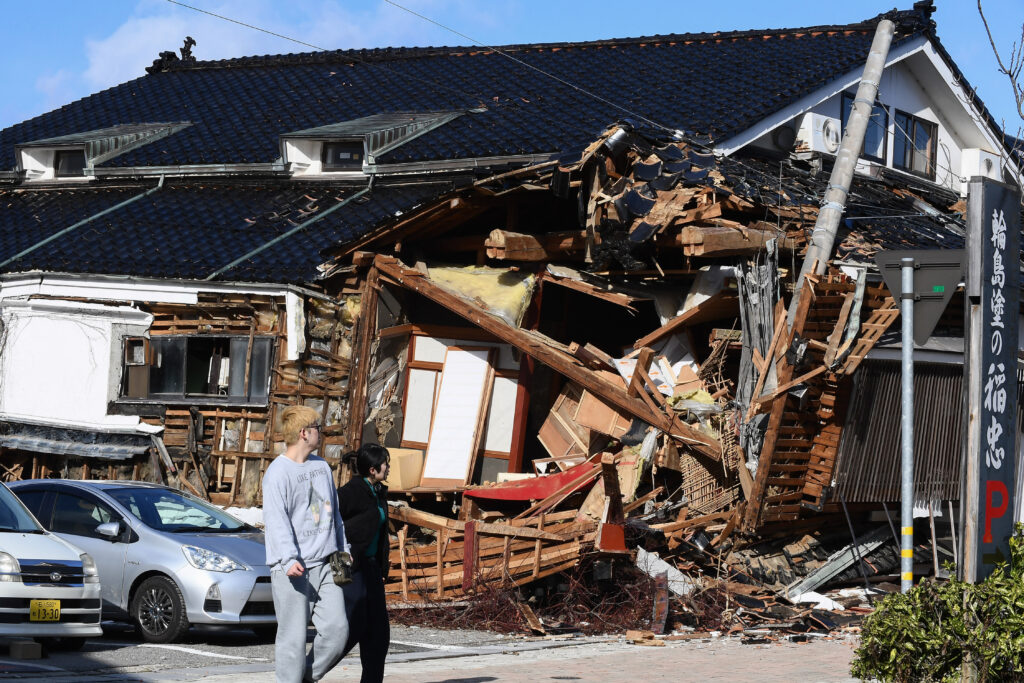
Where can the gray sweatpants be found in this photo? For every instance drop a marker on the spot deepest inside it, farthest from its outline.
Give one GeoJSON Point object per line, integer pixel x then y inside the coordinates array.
{"type": "Point", "coordinates": [295, 600]}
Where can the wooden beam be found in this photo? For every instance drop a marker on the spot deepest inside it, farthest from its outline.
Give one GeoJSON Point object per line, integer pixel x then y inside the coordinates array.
{"type": "Point", "coordinates": [555, 358]}
{"type": "Point", "coordinates": [515, 246]}
{"type": "Point", "coordinates": [360, 368]}
{"type": "Point", "coordinates": [593, 356]}
{"type": "Point", "coordinates": [427, 520]}
{"type": "Point", "coordinates": [837, 334]}
{"type": "Point", "coordinates": [715, 301]}
{"type": "Point", "coordinates": [617, 298]}
{"type": "Point", "coordinates": [704, 520]}
{"type": "Point", "coordinates": [783, 388]}
{"type": "Point", "coordinates": [725, 239]}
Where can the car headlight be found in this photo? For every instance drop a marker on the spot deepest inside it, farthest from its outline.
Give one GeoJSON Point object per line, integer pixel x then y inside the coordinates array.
{"type": "Point", "coordinates": [89, 573]}
{"type": "Point", "coordinates": [10, 570]}
{"type": "Point", "coordinates": [201, 558]}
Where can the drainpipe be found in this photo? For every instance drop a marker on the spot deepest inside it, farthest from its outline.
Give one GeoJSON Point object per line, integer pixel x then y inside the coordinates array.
{"type": "Point", "coordinates": [314, 219]}
{"type": "Point", "coordinates": [824, 234]}
{"type": "Point", "coordinates": [80, 223]}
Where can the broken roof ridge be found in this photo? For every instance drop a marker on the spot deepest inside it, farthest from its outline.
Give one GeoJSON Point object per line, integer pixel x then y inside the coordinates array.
{"type": "Point", "coordinates": [908, 22]}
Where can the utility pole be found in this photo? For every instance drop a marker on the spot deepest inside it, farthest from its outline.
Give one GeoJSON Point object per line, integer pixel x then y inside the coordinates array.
{"type": "Point", "coordinates": [823, 237]}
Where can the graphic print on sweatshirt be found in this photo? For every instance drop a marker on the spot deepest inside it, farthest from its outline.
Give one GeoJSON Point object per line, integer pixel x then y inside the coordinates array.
{"type": "Point", "coordinates": [318, 505]}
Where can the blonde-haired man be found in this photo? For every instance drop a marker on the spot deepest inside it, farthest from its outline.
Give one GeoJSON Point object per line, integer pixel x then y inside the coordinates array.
{"type": "Point", "coordinates": [303, 528]}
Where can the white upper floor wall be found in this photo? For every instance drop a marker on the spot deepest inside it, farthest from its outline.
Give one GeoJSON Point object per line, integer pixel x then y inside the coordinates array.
{"type": "Point", "coordinates": [919, 101]}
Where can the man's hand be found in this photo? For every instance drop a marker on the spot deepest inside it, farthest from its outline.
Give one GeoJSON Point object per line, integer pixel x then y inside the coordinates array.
{"type": "Point", "coordinates": [296, 569]}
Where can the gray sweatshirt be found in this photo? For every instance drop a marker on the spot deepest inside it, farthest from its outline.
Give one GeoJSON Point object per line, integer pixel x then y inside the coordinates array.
{"type": "Point", "coordinates": [300, 513]}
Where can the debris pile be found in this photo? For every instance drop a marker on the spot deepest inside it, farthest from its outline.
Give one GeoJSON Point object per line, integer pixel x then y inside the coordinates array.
{"type": "Point", "coordinates": [668, 418]}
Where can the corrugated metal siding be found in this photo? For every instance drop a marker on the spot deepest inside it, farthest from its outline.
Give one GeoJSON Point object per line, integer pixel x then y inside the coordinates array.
{"type": "Point", "coordinates": [868, 470]}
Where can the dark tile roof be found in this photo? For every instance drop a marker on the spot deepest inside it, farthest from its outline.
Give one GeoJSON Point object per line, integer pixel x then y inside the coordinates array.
{"type": "Point", "coordinates": [711, 84]}
{"type": "Point", "coordinates": [191, 230]}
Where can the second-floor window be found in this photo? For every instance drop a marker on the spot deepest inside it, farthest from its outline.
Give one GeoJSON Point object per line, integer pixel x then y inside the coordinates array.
{"type": "Point", "coordinates": [914, 142]}
{"type": "Point", "coordinates": [876, 134]}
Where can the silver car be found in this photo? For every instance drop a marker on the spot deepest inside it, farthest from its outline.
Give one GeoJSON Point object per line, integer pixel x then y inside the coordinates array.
{"type": "Point", "coordinates": [165, 559]}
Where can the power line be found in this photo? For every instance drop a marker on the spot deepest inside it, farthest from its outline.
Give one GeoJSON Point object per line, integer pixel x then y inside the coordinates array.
{"type": "Point", "coordinates": [480, 100]}
{"type": "Point", "coordinates": [537, 69]}
{"type": "Point", "coordinates": [478, 97]}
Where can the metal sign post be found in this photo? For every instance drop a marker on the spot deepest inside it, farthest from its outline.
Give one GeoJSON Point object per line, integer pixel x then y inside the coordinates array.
{"type": "Point", "coordinates": [939, 273]}
{"type": "Point", "coordinates": [907, 426]}
{"type": "Point", "coordinates": [993, 294]}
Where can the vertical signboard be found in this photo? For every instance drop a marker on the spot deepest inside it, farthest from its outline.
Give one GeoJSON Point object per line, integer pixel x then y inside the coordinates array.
{"type": "Point", "coordinates": [993, 295]}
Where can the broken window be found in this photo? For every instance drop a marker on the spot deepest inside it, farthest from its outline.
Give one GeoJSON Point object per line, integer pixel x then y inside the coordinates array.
{"type": "Point", "coordinates": [875, 136]}
{"type": "Point", "coordinates": [224, 368]}
{"type": "Point", "coordinates": [914, 145]}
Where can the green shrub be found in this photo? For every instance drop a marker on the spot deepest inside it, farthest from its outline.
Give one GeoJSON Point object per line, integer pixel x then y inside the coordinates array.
{"type": "Point", "coordinates": [925, 634]}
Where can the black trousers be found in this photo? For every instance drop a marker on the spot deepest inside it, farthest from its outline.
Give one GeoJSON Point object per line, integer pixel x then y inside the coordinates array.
{"type": "Point", "coordinates": [368, 623]}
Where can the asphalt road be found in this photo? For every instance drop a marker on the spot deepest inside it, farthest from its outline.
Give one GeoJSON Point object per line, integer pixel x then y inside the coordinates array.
{"type": "Point", "coordinates": [120, 655]}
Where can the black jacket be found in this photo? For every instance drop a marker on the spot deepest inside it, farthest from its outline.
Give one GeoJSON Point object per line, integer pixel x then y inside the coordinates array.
{"type": "Point", "coordinates": [358, 507]}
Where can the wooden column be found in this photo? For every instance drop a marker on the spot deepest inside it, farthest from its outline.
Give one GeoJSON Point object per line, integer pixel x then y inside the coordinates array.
{"type": "Point", "coordinates": [366, 330]}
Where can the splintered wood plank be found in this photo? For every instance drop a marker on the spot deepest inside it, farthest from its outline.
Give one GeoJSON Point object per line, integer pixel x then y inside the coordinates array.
{"type": "Point", "coordinates": [402, 533]}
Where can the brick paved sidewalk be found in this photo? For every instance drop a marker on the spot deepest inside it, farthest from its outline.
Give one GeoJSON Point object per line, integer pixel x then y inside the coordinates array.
{"type": "Point", "coordinates": [816, 661]}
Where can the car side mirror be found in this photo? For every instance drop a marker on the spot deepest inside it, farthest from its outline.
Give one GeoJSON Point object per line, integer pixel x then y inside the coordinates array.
{"type": "Point", "coordinates": [112, 530]}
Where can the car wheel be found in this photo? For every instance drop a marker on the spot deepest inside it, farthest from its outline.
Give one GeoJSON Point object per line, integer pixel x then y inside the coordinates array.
{"type": "Point", "coordinates": [158, 610]}
{"type": "Point", "coordinates": [64, 643]}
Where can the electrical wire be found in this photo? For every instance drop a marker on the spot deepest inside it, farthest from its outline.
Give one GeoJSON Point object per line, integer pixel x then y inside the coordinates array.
{"type": "Point", "coordinates": [481, 100]}
{"type": "Point", "coordinates": [707, 148]}
{"type": "Point", "coordinates": [537, 69]}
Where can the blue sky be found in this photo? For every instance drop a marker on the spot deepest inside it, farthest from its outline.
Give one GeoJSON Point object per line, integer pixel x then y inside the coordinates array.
{"type": "Point", "coordinates": [56, 51]}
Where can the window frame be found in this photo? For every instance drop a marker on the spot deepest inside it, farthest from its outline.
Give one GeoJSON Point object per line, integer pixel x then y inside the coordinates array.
{"type": "Point", "coordinates": [906, 137]}
{"type": "Point", "coordinates": [846, 106]}
{"type": "Point", "coordinates": [59, 153]}
{"type": "Point", "coordinates": [336, 168]}
{"type": "Point", "coordinates": [256, 392]}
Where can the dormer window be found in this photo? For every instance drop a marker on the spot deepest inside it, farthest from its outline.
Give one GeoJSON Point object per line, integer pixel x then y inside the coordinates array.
{"type": "Point", "coordinates": [77, 155]}
{"type": "Point", "coordinates": [68, 163]}
{"type": "Point", "coordinates": [356, 146]}
{"type": "Point", "coordinates": [343, 156]}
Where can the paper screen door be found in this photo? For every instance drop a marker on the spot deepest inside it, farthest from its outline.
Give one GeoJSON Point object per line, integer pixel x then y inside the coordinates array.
{"type": "Point", "coordinates": [462, 398]}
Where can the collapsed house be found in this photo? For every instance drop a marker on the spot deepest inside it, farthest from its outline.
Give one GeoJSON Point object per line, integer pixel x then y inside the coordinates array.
{"type": "Point", "coordinates": [567, 324]}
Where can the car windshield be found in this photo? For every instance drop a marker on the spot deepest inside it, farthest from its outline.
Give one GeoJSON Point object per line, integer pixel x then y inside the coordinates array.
{"type": "Point", "coordinates": [14, 516]}
{"type": "Point", "coordinates": [166, 510]}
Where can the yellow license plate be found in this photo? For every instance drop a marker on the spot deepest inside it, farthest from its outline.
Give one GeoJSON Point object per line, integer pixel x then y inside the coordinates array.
{"type": "Point", "coordinates": [44, 610]}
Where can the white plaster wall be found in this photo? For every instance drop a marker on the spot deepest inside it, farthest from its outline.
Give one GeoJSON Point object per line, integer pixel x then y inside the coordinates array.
{"type": "Point", "coordinates": [908, 90]}
{"type": "Point", "coordinates": [57, 364]}
{"type": "Point", "coordinates": [304, 155]}
{"type": "Point", "coordinates": [38, 163]}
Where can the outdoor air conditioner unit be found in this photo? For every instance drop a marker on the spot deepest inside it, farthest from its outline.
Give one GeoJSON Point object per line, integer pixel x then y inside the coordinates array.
{"type": "Point", "coordinates": [818, 133]}
{"type": "Point", "coordinates": [975, 162]}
